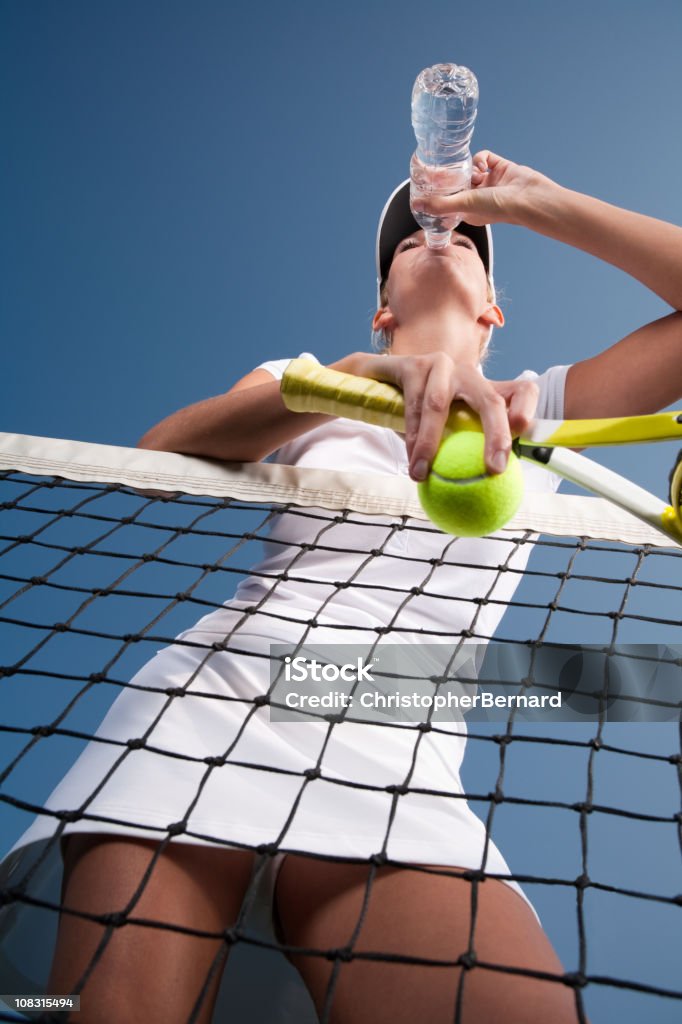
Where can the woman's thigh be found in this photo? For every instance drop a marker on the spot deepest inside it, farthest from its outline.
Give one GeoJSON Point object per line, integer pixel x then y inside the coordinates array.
{"type": "Point", "coordinates": [424, 915]}
{"type": "Point", "coordinates": [145, 972]}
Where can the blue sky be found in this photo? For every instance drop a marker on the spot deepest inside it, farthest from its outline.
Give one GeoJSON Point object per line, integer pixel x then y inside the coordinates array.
{"type": "Point", "coordinates": [191, 188]}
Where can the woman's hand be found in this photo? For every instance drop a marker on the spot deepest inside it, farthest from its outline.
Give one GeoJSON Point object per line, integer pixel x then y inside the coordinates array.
{"type": "Point", "coordinates": [501, 192]}
{"type": "Point", "coordinates": [431, 383]}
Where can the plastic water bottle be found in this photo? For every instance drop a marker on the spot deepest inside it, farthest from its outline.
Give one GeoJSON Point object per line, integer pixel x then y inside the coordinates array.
{"type": "Point", "coordinates": [444, 107]}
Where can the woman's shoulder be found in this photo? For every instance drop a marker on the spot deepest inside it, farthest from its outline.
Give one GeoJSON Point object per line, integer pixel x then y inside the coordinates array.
{"type": "Point", "coordinates": [277, 366]}
{"type": "Point", "coordinates": [552, 385]}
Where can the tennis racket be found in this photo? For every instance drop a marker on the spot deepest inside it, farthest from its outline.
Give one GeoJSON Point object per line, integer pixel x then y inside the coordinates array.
{"type": "Point", "coordinates": [309, 387]}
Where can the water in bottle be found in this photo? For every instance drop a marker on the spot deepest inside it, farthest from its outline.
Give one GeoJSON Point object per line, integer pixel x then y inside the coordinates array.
{"type": "Point", "coordinates": [444, 106]}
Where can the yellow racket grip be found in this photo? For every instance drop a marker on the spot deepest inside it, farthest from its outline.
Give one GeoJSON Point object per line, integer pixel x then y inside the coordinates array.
{"type": "Point", "coordinates": [309, 387]}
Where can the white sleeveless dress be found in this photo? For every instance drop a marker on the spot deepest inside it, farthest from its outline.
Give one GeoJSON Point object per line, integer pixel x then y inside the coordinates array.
{"type": "Point", "coordinates": [246, 781]}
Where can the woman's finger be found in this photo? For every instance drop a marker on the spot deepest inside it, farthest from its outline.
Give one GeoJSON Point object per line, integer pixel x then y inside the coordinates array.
{"type": "Point", "coordinates": [480, 160]}
{"type": "Point", "coordinates": [489, 159]}
{"type": "Point", "coordinates": [410, 374]}
{"type": "Point", "coordinates": [491, 407]}
{"type": "Point", "coordinates": [521, 397]}
{"type": "Point", "coordinates": [445, 204]}
{"type": "Point", "coordinates": [436, 398]}
{"type": "Point", "coordinates": [431, 385]}
{"type": "Point", "coordinates": [407, 374]}
{"type": "Point", "coordinates": [483, 399]}
{"type": "Point", "coordinates": [522, 403]}
{"type": "Point", "coordinates": [479, 205]}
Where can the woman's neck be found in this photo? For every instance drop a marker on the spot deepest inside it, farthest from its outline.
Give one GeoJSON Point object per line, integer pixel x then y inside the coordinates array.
{"type": "Point", "coordinates": [439, 331]}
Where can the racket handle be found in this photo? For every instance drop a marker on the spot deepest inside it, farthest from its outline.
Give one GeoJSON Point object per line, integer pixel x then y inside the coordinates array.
{"type": "Point", "coordinates": [309, 387]}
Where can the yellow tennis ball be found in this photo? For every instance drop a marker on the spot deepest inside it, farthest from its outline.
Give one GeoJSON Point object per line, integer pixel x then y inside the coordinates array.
{"type": "Point", "coordinates": [461, 497]}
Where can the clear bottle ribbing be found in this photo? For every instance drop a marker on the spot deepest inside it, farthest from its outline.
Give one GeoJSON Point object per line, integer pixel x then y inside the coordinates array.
{"type": "Point", "coordinates": [444, 107]}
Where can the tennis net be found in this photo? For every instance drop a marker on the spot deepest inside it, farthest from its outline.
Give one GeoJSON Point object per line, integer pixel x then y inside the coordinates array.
{"type": "Point", "coordinates": [107, 555]}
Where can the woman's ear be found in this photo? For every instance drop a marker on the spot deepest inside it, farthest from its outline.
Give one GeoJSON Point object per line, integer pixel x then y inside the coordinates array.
{"type": "Point", "coordinates": [383, 320]}
{"type": "Point", "coordinates": [492, 316]}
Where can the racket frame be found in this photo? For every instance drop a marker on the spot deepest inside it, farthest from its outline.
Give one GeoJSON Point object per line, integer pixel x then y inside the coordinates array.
{"type": "Point", "coordinates": [308, 386]}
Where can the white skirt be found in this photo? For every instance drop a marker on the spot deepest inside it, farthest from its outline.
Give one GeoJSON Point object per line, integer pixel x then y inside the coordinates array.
{"type": "Point", "coordinates": [209, 766]}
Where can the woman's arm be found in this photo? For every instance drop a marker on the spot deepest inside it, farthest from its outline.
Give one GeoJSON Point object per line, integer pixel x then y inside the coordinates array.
{"type": "Point", "coordinates": [641, 373]}
{"type": "Point", "coordinates": [245, 424]}
{"type": "Point", "coordinates": [250, 421]}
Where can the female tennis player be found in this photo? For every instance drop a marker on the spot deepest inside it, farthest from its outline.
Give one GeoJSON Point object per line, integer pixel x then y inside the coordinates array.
{"type": "Point", "coordinates": [405, 883]}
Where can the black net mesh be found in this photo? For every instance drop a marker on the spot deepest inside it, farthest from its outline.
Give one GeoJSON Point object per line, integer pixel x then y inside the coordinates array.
{"type": "Point", "coordinates": [94, 580]}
